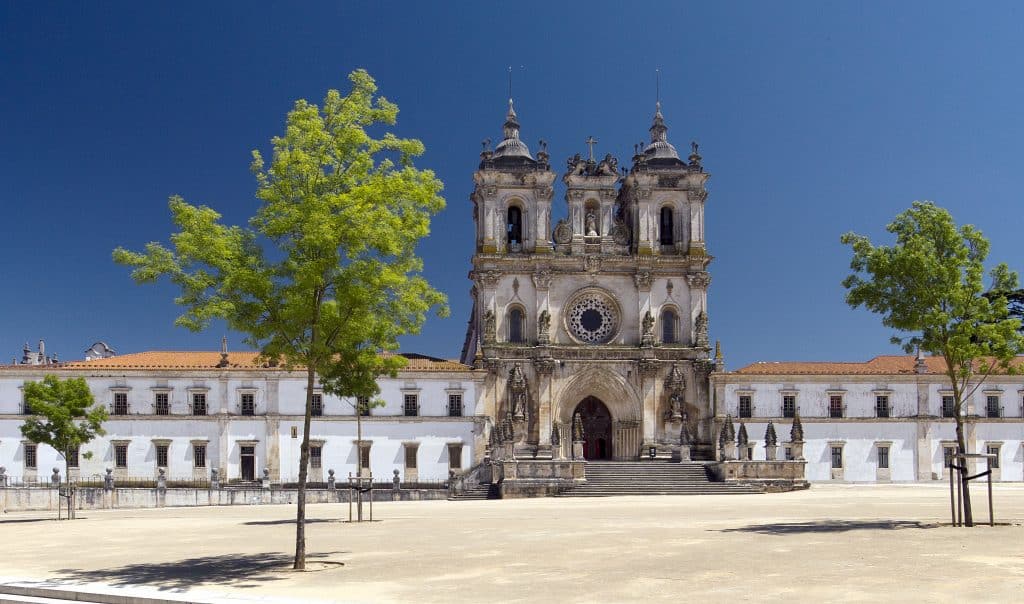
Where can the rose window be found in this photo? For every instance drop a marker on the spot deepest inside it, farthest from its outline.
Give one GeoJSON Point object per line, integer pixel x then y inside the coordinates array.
{"type": "Point", "coordinates": [592, 319]}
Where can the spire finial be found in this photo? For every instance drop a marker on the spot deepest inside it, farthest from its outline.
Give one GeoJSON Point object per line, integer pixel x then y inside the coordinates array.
{"type": "Point", "coordinates": [657, 88]}
{"type": "Point", "coordinates": [509, 86]}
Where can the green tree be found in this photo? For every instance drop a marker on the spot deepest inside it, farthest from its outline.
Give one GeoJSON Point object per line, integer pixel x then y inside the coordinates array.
{"type": "Point", "coordinates": [64, 417]}
{"type": "Point", "coordinates": [929, 287]}
{"type": "Point", "coordinates": [325, 275]}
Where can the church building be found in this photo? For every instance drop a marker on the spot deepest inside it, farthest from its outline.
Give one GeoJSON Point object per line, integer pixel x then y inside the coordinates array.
{"type": "Point", "coordinates": [600, 319]}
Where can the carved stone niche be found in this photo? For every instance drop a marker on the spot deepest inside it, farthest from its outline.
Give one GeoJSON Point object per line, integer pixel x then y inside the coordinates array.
{"type": "Point", "coordinates": [518, 393]}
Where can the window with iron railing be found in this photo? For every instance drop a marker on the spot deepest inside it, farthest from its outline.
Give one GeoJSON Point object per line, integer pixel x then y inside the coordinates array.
{"type": "Point", "coordinates": [948, 406]}
{"type": "Point", "coordinates": [317, 408]}
{"type": "Point", "coordinates": [746, 406]}
{"type": "Point", "coordinates": [883, 458]}
{"type": "Point", "coordinates": [788, 405]}
{"type": "Point", "coordinates": [411, 405]}
{"type": "Point", "coordinates": [882, 405]}
{"type": "Point", "coordinates": [120, 406]}
{"type": "Point", "coordinates": [198, 403]}
{"type": "Point", "coordinates": [835, 406]}
{"type": "Point", "coordinates": [248, 403]}
{"type": "Point", "coordinates": [992, 406]}
{"type": "Point", "coordinates": [161, 404]}
{"type": "Point", "coordinates": [455, 405]}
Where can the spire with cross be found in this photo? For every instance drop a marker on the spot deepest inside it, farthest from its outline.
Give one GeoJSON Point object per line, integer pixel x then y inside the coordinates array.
{"type": "Point", "coordinates": [591, 141]}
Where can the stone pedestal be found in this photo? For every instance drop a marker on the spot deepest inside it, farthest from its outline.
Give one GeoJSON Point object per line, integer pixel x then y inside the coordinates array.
{"type": "Point", "coordinates": [577, 449]}
{"type": "Point", "coordinates": [797, 447]}
{"type": "Point", "coordinates": [729, 451]}
{"type": "Point", "coordinates": [744, 451]}
{"type": "Point", "coordinates": [771, 452]}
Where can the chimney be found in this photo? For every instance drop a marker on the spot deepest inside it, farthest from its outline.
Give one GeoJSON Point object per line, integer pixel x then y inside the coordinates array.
{"type": "Point", "coordinates": [919, 364]}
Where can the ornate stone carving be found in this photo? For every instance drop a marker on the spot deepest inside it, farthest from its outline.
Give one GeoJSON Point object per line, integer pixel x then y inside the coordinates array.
{"type": "Point", "coordinates": [647, 338]}
{"type": "Point", "coordinates": [544, 365]}
{"type": "Point", "coordinates": [518, 392]}
{"type": "Point", "coordinates": [556, 438]}
{"type": "Point", "coordinates": [796, 433]}
{"type": "Point", "coordinates": [490, 190]}
{"type": "Point", "coordinates": [700, 330]}
{"type": "Point", "coordinates": [643, 280]}
{"type": "Point", "coordinates": [592, 318]}
{"type": "Point", "coordinates": [515, 285]}
{"type": "Point", "coordinates": [575, 194]}
{"type": "Point", "coordinates": [488, 279]}
{"type": "Point", "coordinates": [609, 166]}
{"type": "Point", "coordinates": [563, 232]}
{"type": "Point", "coordinates": [675, 385]}
{"type": "Point", "coordinates": [699, 194]}
{"type": "Point", "coordinates": [543, 192]}
{"type": "Point", "coordinates": [489, 326]}
{"type": "Point", "coordinates": [577, 428]}
{"type": "Point", "coordinates": [649, 367]}
{"type": "Point", "coordinates": [592, 263]}
{"type": "Point", "coordinates": [620, 232]}
{"type": "Point", "coordinates": [770, 438]}
{"type": "Point", "coordinates": [542, 279]}
{"type": "Point", "coordinates": [699, 280]}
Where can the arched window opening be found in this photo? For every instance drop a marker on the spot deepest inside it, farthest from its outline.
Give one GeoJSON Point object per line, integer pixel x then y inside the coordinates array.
{"type": "Point", "coordinates": [666, 226]}
{"type": "Point", "coordinates": [514, 226]}
{"type": "Point", "coordinates": [669, 327]}
{"type": "Point", "coordinates": [516, 326]}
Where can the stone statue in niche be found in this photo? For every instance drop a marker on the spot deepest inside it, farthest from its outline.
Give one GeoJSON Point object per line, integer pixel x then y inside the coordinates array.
{"type": "Point", "coordinates": [591, 224]}
{"type": "Point", "coordinates": [544, 327]}
{"type": "Point", "coordinates": [675, 385]}
{"type": "Point", "coordinates": [489, 326]}
{"type": "Point", "coordinates": [517, 388]}
{"type": "Point", "coordinates": [647, 339]}
{"type": "Point", "coordinates": [556, 438]}
{"type": "Point", "coordinates": [700, 329]}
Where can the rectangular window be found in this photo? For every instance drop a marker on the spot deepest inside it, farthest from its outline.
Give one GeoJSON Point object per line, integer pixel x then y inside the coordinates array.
{"type": "Point", "coordinates": [410, 457]}
{"type": "Point", "coordinates": [412, 405]}
{"type": "Point", "coordinates": [992, 406]}
{"type": "Point", "coordinates": [317, 408]}
{"type": "Point", "coordinates": [316, 458]}
{"type": "Point", "coordinates": [883, 458]}
{"type": "Point", "coordinates": [788, 405]}
{"type": "Point", "coordinates": [455, 457]}
{"type": "Point", "coordinates": [161, 404]}
{"type": "Point", "coordinates": [948, 406]}
{"type": "Point", "coordinates": [746, 407]}
{"type": "Point", "coordinates": [73, 457]}
{"type": "Point", "coordinates": [789, 453]}
{"type": "Point", "coordinates": [882, 405]}
{"type": "Point", "coordinates": [995, 461]}
{"type": "Point", "coordinates": [121, 456]}
{"type": "Point", "coordinates": [947, 456]}
{"type": "Point", "coordinates": [364, 457]}
{"type": "Point", "coordinates": [835, 406]}
{"type": "Point", "coordinates": [455, 405]}
{"type": "Point", "coordinates": [837, 457]}
{"type": "Point", "coordinates": [248, 403]}
{"type": "Point", "coordinates": [161, 456]}
{"type": "Point", "coordinates": [364, 405]}
{"type": "Point", "coordinates": [199, 403]}
{"type": "Point", "coordinates": [30, 457]}
{"type": "Point", "coordinates": [120, 403]}
{"type": "Point", "coordinates": [199, 456]}
{"type": "Point", "coordinates": [26, 409]}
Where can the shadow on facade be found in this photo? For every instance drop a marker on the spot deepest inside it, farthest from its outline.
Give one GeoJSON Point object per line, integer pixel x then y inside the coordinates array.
{"type": "Point", "coordinates": [829, 526]}
{"type": "Point", "coordinates": [234, 570]}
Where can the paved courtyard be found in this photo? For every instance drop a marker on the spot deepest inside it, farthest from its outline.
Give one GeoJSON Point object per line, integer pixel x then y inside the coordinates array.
{"type": "Point", "coordinates": [832, 543]}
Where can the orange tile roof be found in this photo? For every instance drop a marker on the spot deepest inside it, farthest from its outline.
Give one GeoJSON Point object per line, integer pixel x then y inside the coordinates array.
{"type": "Point", "coordinates": [880, 365]}
{"type": "Point", "coordinates": [208, 360]}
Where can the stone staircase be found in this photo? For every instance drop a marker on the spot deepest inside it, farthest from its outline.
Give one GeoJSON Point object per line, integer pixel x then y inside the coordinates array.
{"type": "Point", "coordinates": [608, 478]}
{"type": "Point", "coordinates": [478, 492]}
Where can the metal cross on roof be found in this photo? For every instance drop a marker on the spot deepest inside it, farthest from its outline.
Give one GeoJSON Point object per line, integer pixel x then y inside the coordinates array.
{"type": "Point", "coordinates": [591, 141]}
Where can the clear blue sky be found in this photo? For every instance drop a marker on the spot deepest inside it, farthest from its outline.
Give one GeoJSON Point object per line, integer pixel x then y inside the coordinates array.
{"type": "Point", "coordinates": [813, 118]}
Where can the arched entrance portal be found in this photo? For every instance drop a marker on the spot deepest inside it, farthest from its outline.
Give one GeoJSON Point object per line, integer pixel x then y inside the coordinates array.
{"type": "Point", "coordinates": [597, 428]}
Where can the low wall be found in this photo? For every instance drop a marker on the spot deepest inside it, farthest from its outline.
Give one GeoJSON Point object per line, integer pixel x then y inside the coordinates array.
{"type": "Point", "coordinates": [772, 476]}
{"type": "Point", "coordinates": [16, 499]}
{"type": "Point", "coordinates": [540, 478]}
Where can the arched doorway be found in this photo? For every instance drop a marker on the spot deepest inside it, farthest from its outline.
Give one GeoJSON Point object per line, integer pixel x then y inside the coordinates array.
{"type": "Point", "coordinates": [597, 428]}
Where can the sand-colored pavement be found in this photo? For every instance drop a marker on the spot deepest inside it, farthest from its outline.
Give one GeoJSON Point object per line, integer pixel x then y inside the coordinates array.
{"type": "Point", "coordinates": [831, 543]}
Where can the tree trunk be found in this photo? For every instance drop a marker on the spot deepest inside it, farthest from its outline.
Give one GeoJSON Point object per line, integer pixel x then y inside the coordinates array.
{"type": "Point", "coordinates": [961, 444]}
{"type": "Point", "coordinates": [300, 514]}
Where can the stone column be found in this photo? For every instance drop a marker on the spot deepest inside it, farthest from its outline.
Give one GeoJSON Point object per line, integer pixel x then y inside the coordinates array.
{"type": "Point", "coordinates": [649, 403]}
{"type": "Point", "coordinates": [543, 368]}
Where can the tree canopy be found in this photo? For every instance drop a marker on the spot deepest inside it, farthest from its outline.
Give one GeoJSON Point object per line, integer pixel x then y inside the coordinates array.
{"type": "Point", "coordinates": [930, 288]}
{"type": "Point", "coordinates": [63, 414]}
{"type": "Point", "coordinates": [324, 276]}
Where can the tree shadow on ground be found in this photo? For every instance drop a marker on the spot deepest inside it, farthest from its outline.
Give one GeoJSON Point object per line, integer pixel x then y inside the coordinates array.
{"type": "Point", "coordinates": [828, 526]}
{"type": "Point", "coordinates": [234, 570]}
{"type": "Point", "coordinates": [21, 520]}
{"type": "Point", "coordinates": [289, 521]}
